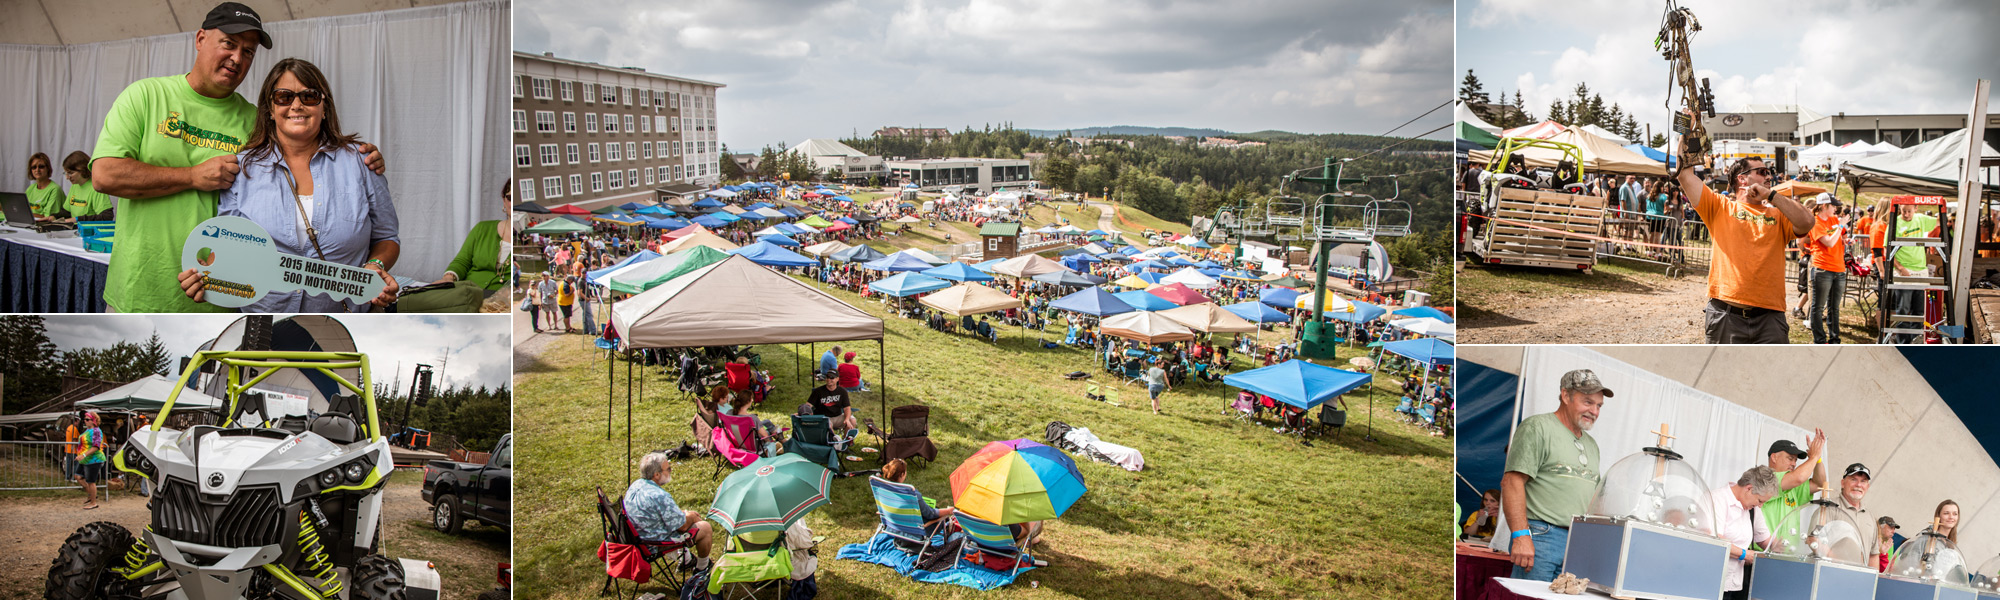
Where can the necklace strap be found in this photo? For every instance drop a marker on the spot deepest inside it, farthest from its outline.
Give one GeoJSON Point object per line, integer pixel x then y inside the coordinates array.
{"type": "Point", "coordinates": [311, 233]}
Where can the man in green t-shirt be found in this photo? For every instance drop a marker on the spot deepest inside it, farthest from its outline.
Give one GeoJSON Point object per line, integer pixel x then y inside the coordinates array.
{"type": "Point", "coordinates": [167, 149]}
{"type": "Point", "coordinates": [1796, 484]}
{"type": "Point", "coordinates": [1552, 470]}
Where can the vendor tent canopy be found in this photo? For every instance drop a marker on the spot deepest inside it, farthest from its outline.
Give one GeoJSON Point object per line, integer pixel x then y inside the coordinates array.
{"type": "Point", "coordinates": [149, 394]}
{"type": "Point", "coordinates": [1424, 311]}
{"type": "Point", "coordinates": [923, 256]}
{"type": "Point", "coordinates": [707, 203]}
{"type": "Point", "coordinates": [648, 275]}
{"type": "Point", "coordinates": [1257, 312]}
{"type": "Point", "coordinates": [825, 248]}
{"type": "Point", "coordinates": [1208, 317]}
{"type": "Point", "coordinates": [668, 223]}
{"type": "Point", "coordinates": [1178, 294]}
{"type": "Point", "coordinates": [652, 210]}
{"type": "Point", "coordinates": [1147, 328]}
{"type": "Point", "coordinates": [896, 263]}
{"type": "Point", "coordinates": [721, 193]}
{"type": "Point", "coordinates": [958, 271]}
{"type": "Point", "coordinates": [969, 299]}
{"type": "Point", "coordinates": [908, 219]}
{"type": "Point", "coordinates": [1068, 279]}
{"type": "Point", "coordinates": [1298, 383]}
{"type": "Point", "coordinates": [1606, 134]}
{"type": "Point", "coordinates": [1092, 301]}
{"type": "Point", "coordinates": [987, 265]}
{"type": "Point", "coordinates": [624, 220]}
{"type": "Point", "coordinates": [1599, 155]}
{"type": "Point", "coordinates": [1191, 278]}
{"type": "Point", "coordinates": [710, 221]}
{"type": "Point", "coordinates": [1428, 327]}
{"type": "Point", "coordinates": [857, 254]}
{"type": "Point", "coordinates": [1931, 168]}
{"type": "Point", "coordinates": [772, 230]}
{"type": "Point", "coordinates": [688, 230]}
{"type": "Point", "coordinates": [558, 226]}
{"type": "Point", "coordinates": [634, 206]}
{"type": "Point", "coordinates": [569, 209]}
{"type": "Point", "coordinates": [737, 302]}
{"type": "Point", "coordinates": [700, 239]}
{"type": "Point", "coordinates": [1430, 351]}
{"type": "Point", "coordinates": [597, 276]}
{"type": "Point", "coordinates": [1653, 154]}
{"type": "Point", "coordinates": [772, 255]}
{"type": "Point", "coordinates": [530, 207]}
{"type": "Point", "coordinates": [1141, 300]}
{"type": "Point", "coordinates": [1473, 134]}
{"type": "Point", "coordinates": [1463, 114]}
{"type": "Point", "coordinates": [1146, 264]}
{"type": "Point", "coordinates": [780, 240]}
{"type": "Point", "coordinates": [815, 221]}
{"type": "Point", "coordinates": [906, 284]}
{"type": "Point", "coordinates": [1539, 131]}
{"type": "Point", "coordinates": [1028, 265]}
{"type": "Point", "coordinates": [771, 213]}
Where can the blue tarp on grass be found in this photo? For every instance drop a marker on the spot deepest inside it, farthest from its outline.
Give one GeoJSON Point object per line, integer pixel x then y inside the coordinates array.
{"type": "Point", "coordinates": [882, 550]}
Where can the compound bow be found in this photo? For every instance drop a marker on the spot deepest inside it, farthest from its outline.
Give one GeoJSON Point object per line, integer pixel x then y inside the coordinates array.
{"type": "Point", "coordinates": [1676, 27]}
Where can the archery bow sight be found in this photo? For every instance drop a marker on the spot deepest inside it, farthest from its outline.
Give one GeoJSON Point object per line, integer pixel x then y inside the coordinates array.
{"type": "Point", "coordinates": [1676, 28]}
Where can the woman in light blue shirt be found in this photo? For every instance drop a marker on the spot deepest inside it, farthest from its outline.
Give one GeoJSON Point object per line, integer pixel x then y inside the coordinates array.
{"type": "Point", "coordinates": [305, 182]}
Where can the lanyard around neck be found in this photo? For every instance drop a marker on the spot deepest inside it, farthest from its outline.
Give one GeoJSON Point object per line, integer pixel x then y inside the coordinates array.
{"type": "Point", "coordinates": [311, 233]}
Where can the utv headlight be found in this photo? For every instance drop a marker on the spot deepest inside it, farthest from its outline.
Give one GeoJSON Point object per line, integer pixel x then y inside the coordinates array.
{"type": "Point", "coordinates": [356, 471]}
{"type": "Point", "coordinates": [330, 478]}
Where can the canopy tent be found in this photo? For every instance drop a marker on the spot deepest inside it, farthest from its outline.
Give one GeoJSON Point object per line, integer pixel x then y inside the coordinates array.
{"type": "Point", "coordinates": [772, 230]}
{"type": "Point", "coordinates": [1142, 300]}
{"type": "Point", "coordinates": [569, 209]}
{"type": "Point", "coordinates": [685, 231]}
{"type": "Point", "coordinates": [652, 210]}
{"type": "Point", "coordinates": [1930, 168]}
{"type": "Point", "coordinates": [969, 299]}
{"type": "Point", "coordinates": [1279, 297]}
{"type": "Point", "coordinates": [607, 210]}
{"type": "Point", "coordinates": [987, 265]}
{"type": "Point", "coordinates": [1425, 311]}
{"type": "Point", "coordinates": [737, 302]}
{"type": "Point", "coordinates": [1068, 279]}
{"type": "Point", "coordinates": [1478, 137]}
{"type": "Point", "coordinates": [1178, 294]}
{"type": "Point", "coordinates": [1142, 266]}
{"type": "Point", "coordinates": [1599, 155]}
{"type": "Point", "coordinates": [772, 255]}
{"type": "Point", "coordinates": [1539, 131]}
{"type": "Point", "coordinates": [923, 256]}
{"type": "Point", "coordinates": [1209, 318]}
{"type": "Point", "coordinates": [558, 226]}
{"type": "Point", "coordinates": [597, 275]}
{"type": "Point", "coordinates": [896, 263]}
{"type": "Point", "coordinates": [1430, 351]}
{"type": "Point", "coordinates": [958, 271]}
{"type": "Point", "coordinates": [707, 203]}
{"type": "Point", "coordinates": [1078, 262]}
{"type": "Point", "coordinates": [1654, 154]}
{"type": "Point", "coordinates": [1191, 278]}
{"type": "Point", "coordinates": [1298, 383]}
{"type": "Point", "coordinates": [860, 254]}
{"type": "Point", "coordinates": [1147, 328]}
{"type": "Point", "coordinates": [1356, 311]}
{"type": "Point", "coordinates": [1607, 134]}
{"type": "Point", "coordinates": [825, 248]}
{"type": "Point", "coordinates": [1463, 114]}
{"type": "Point", "coordinates": [815, 221]}
{"type": "Point", "coordinates": [1257, 312]}
{"type": "Point", "coordinates": [1027, 265]}
{"type": "Point", "coordinates": [149, 394]}
{"type": "Point", "coordinates": [633, 206]}
{"type": "Point", "coordinates": [532, 208]}
{"type": "Point", "coordinates": [700, 239]}
{"type": "Point", "coordinates": [1092, 301]}
{"type": "Point", "coordinates": [1428, 327]}
{"type": "Point", "coordinates": [648, 275]}
{"type": "Point", "coordinates": [779, 239]}
{"type": "Point", "coordinates": [667, 223]}
{"type": "Point", "coordinates": [908, 219]}
{"type": "Point", "coordinates": [1885, 147]}
{"type": "Point", "coordinates": [771, 213]}
{"type": "Point", "coordinates": [710, 221]}
{"type": "Point", "coordinates": [907, 284]}
{"type": "Point", "coordinates": [838, 226]}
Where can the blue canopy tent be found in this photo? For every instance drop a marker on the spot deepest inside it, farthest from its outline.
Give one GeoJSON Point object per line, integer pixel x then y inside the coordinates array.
{"type": "Point", "coordinates": [1150, 277]}
{"type": "Point", "coordinates": [1279, 297]}
{"type": "Point", "coordinates": [633, 206]}
{"type": "Point", "coordinates": [1363, 313]}
{"type": "Point", "coordinates": [1208, 264]}
{"type": "Point", "coordinates": [1143, 265]}
{"type": "Point", "coordinates": [791, 212]}
{"type": "Point", "coordinates": [668, 223]}
{"type": "Point", "coordinates": [759, 205]}
{"type": "Point", "coordinates": [958, 271]}
{"type": "Point", "coordinates": [707, 203]}
{"type": "Point", "coordinates": [1096, 232]}
{"type": "Point", "coordinates": [1655, 155]}
{"type": "Point", "coordinates": [642, 256]}
{"type": "Point", "coordinates": [1179, 261]}
{"type": "Point", "coordinates": [1129, 250]}
{"type": "Point", "coordinates": [1240, 275]}
{"type": "Point", "coordinates": [771, 255]}
{"type": "Point", "coordinates": [1430, 351]}
{"type": "Point", "coordinates": [1093, 301]}
{"type": "Point", "coordinates": [1079, 262]}
{"type": "Point", "coordinates": [842, 199]}
{"type": "Point", "coordinates": [1211, 272]}
{"type": "Point", "coordinates": [1485, 412]}
{"type": "Point", "coordinates": [906, 284]}
{"type": "Point", "coordinates": [858, 254]}
{"type": "Point", "coordinates": [1425, 311]}
{"type": "Point", "coordinates": [848, 220]}
{"type": "Point", "coordinates": [779, 239]}
{"type": "Point", "coordinates": [1146, 301]}
{"type": "Point", "coordinates": [1298, 383]}
{"type": "Point", "coordinates": [987, 266]}
{"type": "Point", "coordinates": [710, 222]}
{"type": "Point", "coordinates": [621, 220]}
{"type": "Point", "coordinates": [1068, 279]}
{"type": "Point", "coordinates": [897, 262]}
{"type": "Point", "coordinates": [790, 228]}
{"type": "Point", "coordinates": [747, 215]}
{"type": "Point", "coordinates": [1257, 312]}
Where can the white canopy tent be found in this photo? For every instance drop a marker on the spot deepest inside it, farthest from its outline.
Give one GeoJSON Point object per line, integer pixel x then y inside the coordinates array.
{"type": "Point", "coordinates": [1463, 113]}
{"type": "Point", "coordinates": [1607, 134]}
{"type": "Point", "coordinates": [1931, 168]}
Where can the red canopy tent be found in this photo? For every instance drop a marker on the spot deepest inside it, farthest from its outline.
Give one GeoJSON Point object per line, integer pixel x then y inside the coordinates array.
{"type": "Point", "coordinates": [569, 209]}
{"type": "Point", "coordinates": [1178, 294]}
{"type": "Point", "coordinates": [838, 226]}
{"type": "Point", "coordinates": [684, 232]}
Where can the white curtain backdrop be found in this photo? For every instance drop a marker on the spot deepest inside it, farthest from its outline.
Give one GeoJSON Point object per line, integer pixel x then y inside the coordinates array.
{"type": "Point", "coordinates": [1719, 438]}
{"type": "Point", "coordinates": [429, 86]}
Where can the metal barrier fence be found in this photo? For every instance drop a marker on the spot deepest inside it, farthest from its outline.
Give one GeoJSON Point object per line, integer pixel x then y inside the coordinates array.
{"type": "Point", "coordinates": [1667, 240]}
{"type": "Point", "coordinates": [33, 466]}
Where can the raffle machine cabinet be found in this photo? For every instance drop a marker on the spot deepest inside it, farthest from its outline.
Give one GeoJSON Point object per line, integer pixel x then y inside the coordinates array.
{"type": "Point", "coordinates": [1649, 532]}
{"type": "Point", "coordinates": [1987, 579]}
{"type": "Point", "coordinates": [1818, 553]}
{"type": "Point", "coordinates": [1926, 567]}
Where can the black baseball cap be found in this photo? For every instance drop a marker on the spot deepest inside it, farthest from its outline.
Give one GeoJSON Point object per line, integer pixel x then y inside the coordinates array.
{"type": "Point", "coordinates": [1787, 447]}
{"type": "Point", "coordinates": [1859, 468]}
{"type": "Point", "coordinates": [1888, 521]}
{"type": "Point", "coordinates": [233, 18]}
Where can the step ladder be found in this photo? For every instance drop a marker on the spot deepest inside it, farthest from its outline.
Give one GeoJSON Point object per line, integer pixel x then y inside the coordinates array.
{"type": "Point", "coordinates": [1894, 323]}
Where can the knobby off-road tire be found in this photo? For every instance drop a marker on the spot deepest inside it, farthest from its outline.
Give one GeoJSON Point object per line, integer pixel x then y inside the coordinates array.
{"type": "Point", "coordinates": [82, 568]}
{"type": "Point", "coordinates": [376, 577]}
{"type": "Point", "coordinates": [445, 514]}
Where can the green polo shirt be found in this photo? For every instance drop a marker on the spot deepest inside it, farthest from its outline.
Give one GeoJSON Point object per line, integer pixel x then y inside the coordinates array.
{"type": "Point", "coordinates": [1563, 469]}
{"type": "Point", "coordinates": [1787, 503]}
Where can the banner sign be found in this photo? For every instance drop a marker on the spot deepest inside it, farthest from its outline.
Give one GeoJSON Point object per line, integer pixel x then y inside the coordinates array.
{"type": "Point", "coordinates": [241, 265]}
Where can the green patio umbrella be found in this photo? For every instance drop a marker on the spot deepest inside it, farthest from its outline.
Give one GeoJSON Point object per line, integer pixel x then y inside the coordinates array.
{"type": "Point", "coordinates": [770, 494]}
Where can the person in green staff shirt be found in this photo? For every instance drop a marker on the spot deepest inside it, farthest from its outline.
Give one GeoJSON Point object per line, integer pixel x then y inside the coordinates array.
{"type": "Point", "coordinates": [1796, 479]}
{"type": "Point", "coordinates": [45, 198]}
{"type": "Point", "coordinates": [85, 202]}
{"type": "Point", "coordinates": [168, 147]}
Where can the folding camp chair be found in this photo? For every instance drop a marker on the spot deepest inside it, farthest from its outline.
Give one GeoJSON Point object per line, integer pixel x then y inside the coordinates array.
{"type": "Point", "coordinates": [1330, 418]}
{"type": "Point", "coordinates": [812, 438]}
{"type": "Point", "coordinates": [736, 442]}
{"type": "Point", "coordinates": [746, 573]}
{"type": "Point", "coordinates": [1244, 407]}
{"type": "Point", "coordinates": [1091, 391]}
{"type": "Point", "coordinates": [621, 544]}
{"type": "Point", "coordinates": [898, 506]}
{"type": "Point", "coordinates": [984, 537]}
{"type": "Point", "coordinates": [910, 434]}
{"type": "Point", "coordinates": [1111, 395]}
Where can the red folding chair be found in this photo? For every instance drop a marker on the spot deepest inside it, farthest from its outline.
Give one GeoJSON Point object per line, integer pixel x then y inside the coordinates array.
{"type": "Point", "coordinates": [627, 556]}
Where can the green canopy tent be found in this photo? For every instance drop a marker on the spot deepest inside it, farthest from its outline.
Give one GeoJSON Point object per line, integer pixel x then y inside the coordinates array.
{"type": "Point", "coordinates": [815, 222]}
{"type": "Point", "coordinates": [559, 226]}
{"type": "Point", "coordinates": [1472, 133]}
{"type": "Point", "coordinates": [647, 275]}
{"type": "Point", "coordinates": [149, 394]}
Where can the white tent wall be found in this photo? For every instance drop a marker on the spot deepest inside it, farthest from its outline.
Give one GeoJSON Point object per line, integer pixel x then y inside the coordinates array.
{"type": "Point", "coordinates": [1875, 408]}
{"type": "Point", "coordinates": [428, 85]}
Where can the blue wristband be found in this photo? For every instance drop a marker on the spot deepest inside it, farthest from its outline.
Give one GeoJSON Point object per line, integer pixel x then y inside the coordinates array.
{"type": "Point", "coordinates": [1519, 533]}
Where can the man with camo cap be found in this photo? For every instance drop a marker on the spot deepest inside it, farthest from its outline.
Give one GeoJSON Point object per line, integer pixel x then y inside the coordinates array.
{"type": "Point", "coordinates": [1552, 470]}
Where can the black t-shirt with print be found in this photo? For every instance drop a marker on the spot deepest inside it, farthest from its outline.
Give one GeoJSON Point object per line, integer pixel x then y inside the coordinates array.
{"type": "Point", "coordinates": [829, 403]}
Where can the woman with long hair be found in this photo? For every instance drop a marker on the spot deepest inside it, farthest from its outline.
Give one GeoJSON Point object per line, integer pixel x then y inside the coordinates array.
{"type": "Point", "coordinates": [45, 198]}
{"type": "Point", "coordinates": [1946, 517]}
{"type": "Point", "coordinates": [304, 181]}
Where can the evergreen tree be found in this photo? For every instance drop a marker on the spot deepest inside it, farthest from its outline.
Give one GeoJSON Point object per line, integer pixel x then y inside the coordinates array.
{"type": "Point", "coordinates": [154, 356]}
{"type": "Point", "coordinates": [1470, 90]}
{"type": "Point", "coordinates": [27, 363]}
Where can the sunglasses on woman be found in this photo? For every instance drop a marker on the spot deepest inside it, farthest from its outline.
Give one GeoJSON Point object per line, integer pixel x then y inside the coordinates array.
{"type": "Point", "coordinates": [308, 97]}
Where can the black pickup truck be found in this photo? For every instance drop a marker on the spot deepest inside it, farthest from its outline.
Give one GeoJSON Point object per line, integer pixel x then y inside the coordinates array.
{"type": "Point", "coordinates": [481, 492]}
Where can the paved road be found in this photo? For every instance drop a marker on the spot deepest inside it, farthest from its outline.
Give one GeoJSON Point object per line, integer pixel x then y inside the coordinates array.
{"type": "Point", "coordinates": [1107, 219]}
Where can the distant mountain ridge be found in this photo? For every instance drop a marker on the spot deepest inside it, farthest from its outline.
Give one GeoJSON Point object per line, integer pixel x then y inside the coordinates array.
{"type": "Point", "coordinates": [1129, 130]}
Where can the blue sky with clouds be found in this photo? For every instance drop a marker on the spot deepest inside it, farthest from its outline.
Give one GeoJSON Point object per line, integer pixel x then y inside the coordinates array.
{"type": "Point", "coordinates": [1853, 56]}
{"type": "Point", "coordinates": [805, 68]}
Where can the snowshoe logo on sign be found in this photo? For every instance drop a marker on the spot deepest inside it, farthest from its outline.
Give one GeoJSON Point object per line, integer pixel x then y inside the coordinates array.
{"type": "Point", "coordinates": [241, 265]}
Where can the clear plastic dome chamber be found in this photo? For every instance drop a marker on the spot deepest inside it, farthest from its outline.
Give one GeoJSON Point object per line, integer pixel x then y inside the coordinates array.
{"type": "Point", "coordinates": [1821, 530]}
{"type": "Point", "coordinates": [1657, 487]}
{"type": "Point", "coordinates": [1987, 578]}
{"type": "Point", "coordinates": [1929, 557]}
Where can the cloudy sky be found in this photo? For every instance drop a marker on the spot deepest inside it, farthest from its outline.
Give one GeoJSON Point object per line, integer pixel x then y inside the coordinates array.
{"type": "Point", "coordinates": [798, 69]}
{"type": "Point", "coordinates": [1852, 56]}
{"type": "Point", "coordinates": [476, 347]}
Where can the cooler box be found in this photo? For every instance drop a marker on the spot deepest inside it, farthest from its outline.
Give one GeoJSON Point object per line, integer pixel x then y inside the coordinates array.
{"type": "Point", "coordinates": [97, 244]}
{"type": "Point", "coordinates": [1632, 559]}
{"type": "Point", "coordinates": [1897, 588]}
{"type": "Point", "coordinates": [1787, 578]}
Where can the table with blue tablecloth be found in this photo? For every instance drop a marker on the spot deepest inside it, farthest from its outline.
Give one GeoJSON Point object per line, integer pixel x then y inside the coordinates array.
{"type": "Point", "coordinates": [44, 273]}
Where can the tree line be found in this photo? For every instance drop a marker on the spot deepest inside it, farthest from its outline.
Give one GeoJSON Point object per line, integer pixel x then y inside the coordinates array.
{"type": "Point", "coordinates": [477, 416]}
{"type": "Point", "coordinates": [1584, 107]}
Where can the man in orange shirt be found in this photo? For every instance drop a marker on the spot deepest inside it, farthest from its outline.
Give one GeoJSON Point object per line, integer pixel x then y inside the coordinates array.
{"type": "Point", "coordinates": [1746, 282]}
{"type": "Point", "coordinates": [1828, 241]}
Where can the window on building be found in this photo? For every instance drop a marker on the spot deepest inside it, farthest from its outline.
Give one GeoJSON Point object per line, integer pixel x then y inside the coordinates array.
{"type": "Point", "coordinates": [663, 173]}
{"type": "Point", "coordinates": [550, 154]}
{"type": "Point", "coordinates": [674, 123]}
{"type": "Point", "coordinates": [574, 155]}
{"type": "Point", "coordinates": [541, 88]}
{"type": "Point", "coordinates": [545, 121]}
{"type": "Point", "coordinates": [649, 176]}
{"type": "Point", "coordinates": [659, 99]}
{"type": "Point", "coordinates": [611, 123]}
{"type": "Point", "coordinates": [673, 99]}
{"type": "Point", "coordinates": [992, 244]}
{"type": "Point", "coordinates": [590, 122]}
{"type": "Point", "coordinates": [677, 171]}
{"type": "Point", "coordinates": [646, 149]}
{"type": "Point", "coordinates": [613, 152]}
{"type": "Point", "coordinates": [526, 188]}
{"type": "Point", "coordinates": [645, 97]}
{"type": "Point", "coordinates": [628, 124]}
{"type": "Point", "coordinates": [627, 95]}
{"type": "Point", "coordinates": [551, 187]}
{"type": "Point", "coordinates": [660, 124]}
{"type": "Point", "coordinates": [568, 91]}
{"type": "Point", "coordinates": [632, 175]}
{"type": "Point", "coordinates": [520, 121]}
{"type": "Point", "coordinates": [517, 87]}
{"type": "Point", "coordinates": [575, 185]}
{"type": "Point", "coordinates": [617, 180]}
{"type": "Point", "coordinates": [676, 146]}
{"type": "Point", "coordinates": [645, 125]}
{"type": "Point", "coordinates": [609, 95]}
{"type": "Point", "coordinates": [523, 156]}
{"type": "Point", "coordinates": [589, 92]}
{"type": "Point", "coordinates": [596, 182]}
{"type": "Point", "coordinates": [593, 152]}
{"type": "Point", "coordinates": [569, 122]}
{"type": "Point", "coordinates": [631, 150]}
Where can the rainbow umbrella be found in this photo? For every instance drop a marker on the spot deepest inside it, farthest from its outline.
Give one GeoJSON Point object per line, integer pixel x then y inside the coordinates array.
{"type": "Point", "coordinates": [1016, 481]}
